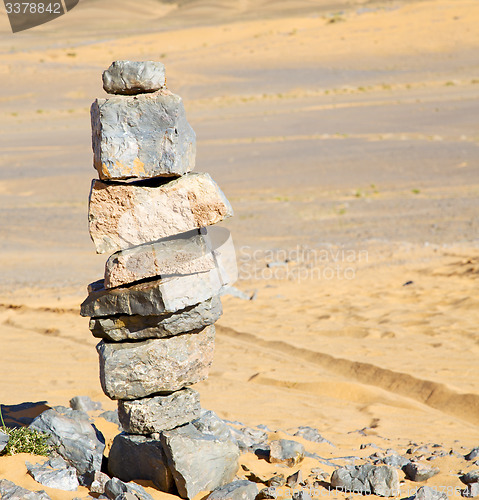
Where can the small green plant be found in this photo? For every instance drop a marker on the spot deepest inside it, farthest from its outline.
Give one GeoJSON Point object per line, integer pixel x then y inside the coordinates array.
{"type": "Point", "coordinates": [25, 440]}
{"type": "Point", "coordinates": [415, 191]}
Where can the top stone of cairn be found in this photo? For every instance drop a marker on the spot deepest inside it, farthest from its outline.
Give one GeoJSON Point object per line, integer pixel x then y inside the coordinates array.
{"type": "Point", "coordinates": [134, 77]}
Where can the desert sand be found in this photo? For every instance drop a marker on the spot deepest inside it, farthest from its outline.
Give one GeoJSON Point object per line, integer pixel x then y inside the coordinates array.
{"type": "Point", "coordinates": [345, 135]}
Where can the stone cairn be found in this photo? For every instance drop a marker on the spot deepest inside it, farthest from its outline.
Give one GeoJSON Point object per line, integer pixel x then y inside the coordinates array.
{"type": "Point", "coordinates": [156, 307]}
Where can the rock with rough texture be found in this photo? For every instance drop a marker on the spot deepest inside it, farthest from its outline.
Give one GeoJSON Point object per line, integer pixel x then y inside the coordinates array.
{"type": "Point", "coordinates": [116, 489]}
{"type": "Point", "coordinates": [134, 77]}
{"type": "Point", "coordinates": [248, 438]}
{"type": "Point", "coordinates": [293, 480]}
{"type": "Point", "coordinates": [133, 370]}
{"type": "Point", "coordinates": [285, 451]}
{"type": "Point", "coordinates": [134, 457]}
{"type": "Point", "coordinates": [54, 473]}
{"type": "Point", "coordinates": [84, 403]}
{"type": "Point", "coordinates": [125, 215]}
{"type": "Point", "coordinates": [142, 136]}
{"type": "Point", "coordinates": [183, 254]}
{"type": "Point", "coordinates": [470, 477]}
{"type": "Point", "coordinates": [4, 438]}
{"type": "Point", "coordinates": [96, 482]}
{"type": "Point", "coordinates": [152, 298]}
{"type": "Point", "coordinates": [10, 491]}
{"type": "Point", "coordinates": [472, 455]}
{"type": "Point", "coordinates": [418, 472]}
{"type": "Point", "coordinates": [118, 328]}
{"type": "Point", "coordinates": [367, 479]}
{"type": "Point", "coordinates": [160, 413]}
{"type": "Point", "coordinates": [199, 462]}
{"type": "Point", "coordinates": [267, 493]}
{"type": "Point", "coordinates": [209, 423]}
{"type": "Point", "coordinates": [76, 440]}
{"type": "Point", "coordinates": [428, 493]}
{"type": "Point", "coordinates": [236, 490]}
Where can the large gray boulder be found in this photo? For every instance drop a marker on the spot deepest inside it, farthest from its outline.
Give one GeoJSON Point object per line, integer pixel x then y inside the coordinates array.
{"type": "Point", "coordinates": [133, 370]}
{"type": "Point", "coordinates": [199, 462]}
{"type": "Point", "coordinates": [134, 77]}
{"type": "Point", "coordinates": [236, 490]}
{"type": "Point", "coordinates": [183, 254]}
{"type": "Point", "coordinates": [75, 438]}
{"type": "Point", "coordinates": [153, 297]}
{"type": "Point", "coordinates": [118, 328]}
{"type": "Point", "coordinates": [125, 215]}
{"type": "Point", "coordinates": [139, 457]}
{"type": "Point", "coordinates": [54, 473]}
{"type": "Point", "coordinates": [10, 491]}
{"type": "Point", "coordinates": [367, 479]}
{"type": "Point", "coordinates": [160, 413]}
{"type": "Point", "coordinates": [142, 136]}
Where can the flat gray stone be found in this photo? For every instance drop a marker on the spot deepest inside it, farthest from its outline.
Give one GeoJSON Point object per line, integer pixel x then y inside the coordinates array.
{"type": "Point", "coordinates": [285, 451]}
{"type": "Point", "coordinates": [153, 297]}
{"type": "Point", "coordinates": [142, 136]}
{"type": "Point", "coordinates": [75, 438]}
{"type": "Point", "coordinates": [367, 479]}
{"type": "Point", "coordinates": [84, 403]}
{"type": "Point", "coordinates": [428, 493]}
{"type": "Point", "coordinates": [138, 457]}
{"type": "Point", "coordinates": [133, 370]}
{"type": "Point", "coordinates": [115, 489]}
{"type": "Point", "coordinates": [188, 253]}
{"type": "Point", "coordinates": [54, 473]}
{"type": "Point", "coordinates": [160, 413]}
{"type": "Point", "coordinates": [4, 438]}
{"type": "Point", "coordinates": [134, 77]}
{"type": "Point", "coordinates": [126, 215]}
{"type": "Point", "coordinates": [419, 472]}
{"type": "Point", "coordinates": [118, 328]}
{"type": "Point", "coordinates": [236, 490]}
{"type": "Point", "coordinates": [199, 462]}
{"type": "Point", "coordinates": [10, 491]}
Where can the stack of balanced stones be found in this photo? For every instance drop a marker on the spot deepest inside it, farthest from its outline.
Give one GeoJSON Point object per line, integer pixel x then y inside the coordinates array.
{"type": "Point", "coordinates": [156, 307]}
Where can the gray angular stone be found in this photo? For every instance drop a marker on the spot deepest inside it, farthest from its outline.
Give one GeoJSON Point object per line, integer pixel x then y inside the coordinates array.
{"type": "Point", "coordinates": [97, 482]}
{"type": "Point", "coordinates": [84, 403]}
{"type": "Point", "coordinates": [183, 254]}
{"type": "Point", "coordinates": [4, 438]}
{"type": "Point", "coordinates": [296, 478]}
{"type": "Point", "coordinates": [472, 455]}
{"type": "Point", "coordinates": [367, 479]}
{"type": "Point", "coordinates": [134, 77]}
{"type": "Point", "coordinates": [285, 451]}
{"type": "Point", "coordinates": [133, 370]}
{"type": "Point", "coordinates": [10, 491]}
{"type": "Point", "coordinates": [160, 413]}
{"type": "Point", "coordinates": [267, 493]}
{"type": "Point", "coordinates": [471, 491]}
{"type": "Point", "coordinates": [311, 434]}
{"type": "Point", "coordinates": [152, 298]}
{"type": "Point", "coordinates": [248, 438]}
{"type": "Point", "coordinates": [428, 493]}
{"type": "Point", "coordinates": [76, 440]}
{"type": "Point", "coordinates": [418, 472]}
{"type": "Point", "coordinates": [126, 215]}
{"type": "Point", "coordinates": [54, 473]}
{"type": "Point", "coordinates": [138, 457]}
{"type": "Point", "coordinates": [142, 136]}
{"type": "Point", "coordinates": [116, 489]}
{"type": "Point", "coordinates": [394, 460]}
{"type": "Point", "coordinates": [117, 328]}
{"type": "Point", "coordinates": [111, 416]}
{"type": "Point", "coordinates": [470, 477]}
{"type": "Point", "coordinates": [236, 490]}
{"type": "Point", "coordinates": [210, 424]}
{"type": "Point", "coordinates": [199, 462]}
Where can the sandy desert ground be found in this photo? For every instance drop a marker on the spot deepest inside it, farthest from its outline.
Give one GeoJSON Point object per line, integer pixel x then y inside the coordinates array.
{"type": "Point", "coordinates": [345, 134]}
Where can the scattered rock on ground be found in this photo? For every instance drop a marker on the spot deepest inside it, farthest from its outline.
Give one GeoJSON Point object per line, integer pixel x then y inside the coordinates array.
{"type": "Point", "coordinates": [470, 477]}
{"type": "Point", "coordinates": [54, 473]}
{"type": "Point", "coordinates": [116, 489]}
{"type": "Point", "coordinates": [209, 423]}
{"type": "Point", "coordinates": [96, 482]}
{"type": "Point", "coordinates": [84, 403]}
{"type": "Point", "coordinates": [428, 493]}
{"type": "Point", "coordinates": [295, 479]}
{"type": "Point", "coordinates": [367, 479]}
{"type": "Point", "coordinates": [286, 452]}
{"type": "Point", "coordinates": [473, 454]}
{"type": "Point", "coordinates": [267, 493]}
{"type": "Point", "coordinates": [248, 437]}
{"type": "Point", "coordinates": [419, 472]}
{"type": "Point", "coordinates": [311, 434]}
{"type": "Point", "coordinates": [76, 440]}
{"type": "Point", "coordinates": [10, 491]}
{"type": "Point", "coordinates": [276, 481]}
{"type": "Point", "coordinates": [237, 490]}
{"type": "Point", "coordinates": [160, 413]}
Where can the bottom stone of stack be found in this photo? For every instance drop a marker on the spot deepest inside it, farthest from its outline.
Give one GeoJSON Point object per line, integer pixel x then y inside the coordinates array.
{"type": "Point", "coordinates": [134, 370]}
{"type": "Point", "coordinates": [160, 413]}
{"type": "Point", "coordinates": [183, 458]}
